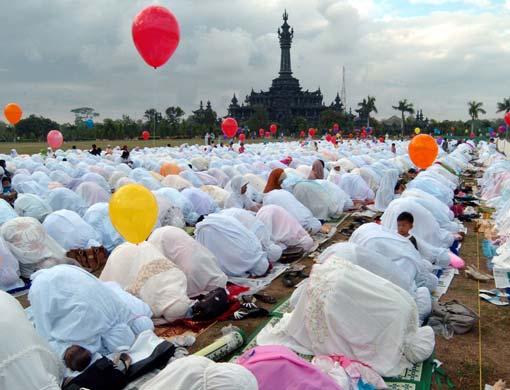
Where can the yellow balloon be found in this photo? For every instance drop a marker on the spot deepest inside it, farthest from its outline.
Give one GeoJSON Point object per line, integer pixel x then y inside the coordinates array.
{"type": "Point", "coordinates": [133, 211]}
{"type": "Point", "coordinates": [417, 130]}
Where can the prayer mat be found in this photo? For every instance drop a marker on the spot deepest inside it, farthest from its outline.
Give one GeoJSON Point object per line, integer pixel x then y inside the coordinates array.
{"type": "Point", "coordinates": [255, 285]}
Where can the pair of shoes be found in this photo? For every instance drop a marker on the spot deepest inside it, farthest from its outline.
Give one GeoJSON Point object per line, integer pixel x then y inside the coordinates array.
{"type": "Point", "coordinates": [291, 276]}
{"type": "Point", "coordinates": [473, 273]}
{"type": "Point", "coordinates": [252, 312]}
{"type": "Point", "coordinates": [495, 300]}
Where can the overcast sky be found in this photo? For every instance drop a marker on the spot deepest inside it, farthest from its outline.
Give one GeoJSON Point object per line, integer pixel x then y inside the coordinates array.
{"type": "Point", "coordinates": [61, 54]}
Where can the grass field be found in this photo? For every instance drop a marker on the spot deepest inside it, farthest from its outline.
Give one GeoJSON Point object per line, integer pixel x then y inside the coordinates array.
{"type": "Point", "coordinates": [35, 147]}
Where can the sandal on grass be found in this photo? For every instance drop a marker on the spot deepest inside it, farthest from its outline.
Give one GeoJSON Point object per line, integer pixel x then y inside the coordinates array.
{"type": "Point", "coordinates": [243, 313]}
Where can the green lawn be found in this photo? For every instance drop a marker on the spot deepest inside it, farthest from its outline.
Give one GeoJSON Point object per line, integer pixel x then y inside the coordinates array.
{"type": "Point", "coordinates": [35, 147]}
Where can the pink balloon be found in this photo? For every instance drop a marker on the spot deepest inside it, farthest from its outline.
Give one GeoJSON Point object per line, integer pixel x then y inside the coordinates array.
{"type": "Point", "coordinates": [55, 139]}
{"type": "Point", "coordinates": [456, 261]}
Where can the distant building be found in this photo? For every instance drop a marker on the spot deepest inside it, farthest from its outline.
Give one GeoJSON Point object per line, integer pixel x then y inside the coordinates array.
{"type": "Point", "coordinates": [285, 99]}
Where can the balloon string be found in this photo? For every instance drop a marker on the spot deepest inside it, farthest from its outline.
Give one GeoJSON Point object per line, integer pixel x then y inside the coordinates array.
{"type": "Point", "coordinates": [155, 104]}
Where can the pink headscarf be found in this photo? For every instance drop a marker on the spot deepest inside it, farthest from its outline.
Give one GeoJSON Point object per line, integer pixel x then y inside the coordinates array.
{"type": "Point", "coordinates": [317, 171]}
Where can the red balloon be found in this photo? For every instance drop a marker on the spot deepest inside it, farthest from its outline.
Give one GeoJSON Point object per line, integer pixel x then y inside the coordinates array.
{"type": "Point", "coordinates": [156, 34]}
{"type": "Point", "coordinates": [55, 139]}
{"type": "Point", "coordinates": [268, 134]}
{"type": "Point", "coordinates": [273, 129]}
{"type": "Point", "coordinates": [146, 135]}
{"type": "Point", "coordinates": [229, 127]}
{"type": "Point", "coordinates": [311, 132]}
{"type": "Point", "coordinates": [261, 132]}
{"type": "Point", "coordinates": [242, 137]}
{"type": "Point", "coordinates": [507, 118]}
{"type": "Point", "coordinates": [328, 137]}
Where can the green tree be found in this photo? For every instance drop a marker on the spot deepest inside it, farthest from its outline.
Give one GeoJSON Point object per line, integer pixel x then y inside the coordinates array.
{"type": "Point", "coordinates": [83, 113]}
{"type": "Point", "coordinates": [404, 106]}
{"type": "Point", "coordinates": [259, 119]}
{"type": "Point", "coordinates": [366, 107]}
{"type": "Point", "coordinates": [7, 133]}
{"type": "Point", "coordinates": [300, 124]}
{"type": "Point", "coordinates": [475, 109]}
{"type": "Point", "coordinates": [154, 119]}
{"type": "Point", "coordinates": [35, 127]}
{"type": "Point", "coordinates": [504, 106]}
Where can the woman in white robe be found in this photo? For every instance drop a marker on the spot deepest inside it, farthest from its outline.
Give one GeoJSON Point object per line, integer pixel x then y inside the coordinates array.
{"type": "Point", "coordinates": [239, 195]}
{"type": "Point", "coordinates": [380, 331]}
{"type": "Point", "coordinates": [200, 373]}
{"type": "Point", "coordinates": [184, 204]}
{"type": "Point", "coordinates": [386, 192]}
{"type": "Point", "coordinates": [285, 230]}
{"type": "Point", "coordinates": [315, 198]}
{"type": "Point", "coordinates": [399, 250]}
{"type": "Point", "coordinates": [65, 199]}
{"type": "Point", "coordinates": [72, 307]}
{"type": "Point", "coordinates": [202, 202]}
{"type": "Point", "coordinates": [145, 272]}
{"type": "Point", "coordinates": [9, 269]}
{"type": "Point", "coordinates": [93, 193]}
{"type": "Point", "coordinates": [237, 249]}
{"type": "Point", "coordinates": [26, 360]}
{"type": "Point", "coordinates": [29, 205]}
{"type": "Point", "coordinates": [98, 217]}
{"type": "Point", "coordinates": [31, 244]}
{"type": "Point", "coordinates": [289, 202]}
{"type": "Point", "coordinates": [249, 220]}
{"type": "Point", "coordinates": [200, 266]}
{"type": "Point", "coordinates": [425, 226]}
{"type": "Point", "coordinates": [70, 231]}
{"type": "Point", "coordinates": [433, 187]}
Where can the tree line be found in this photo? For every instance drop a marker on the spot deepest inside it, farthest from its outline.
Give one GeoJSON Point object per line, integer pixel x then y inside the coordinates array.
{"type": "Point", "coordinates": [173, 123]}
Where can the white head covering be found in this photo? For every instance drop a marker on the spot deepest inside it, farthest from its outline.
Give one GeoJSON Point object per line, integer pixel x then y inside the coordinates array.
{"type": "Point", "coordinates": [92, 193]}
{"type": "Point", "coordinates": [200, 266]}
{"type": "Point", "coordinates": [200, 373]}
{"type": "Point", "coordinates": [425, 225]}
{"type": "Point", "coordinates": [65, 199]}
{"type": "Point", "coordinates": [29, 205]}
{"type": "Point", "coordinates": [9, 269]}
{"type": "Point", "coordinates": [146, 273]}
{"type": "Point", "coordinates": [30, 244]}
{"type": "Point", "coordinates": [218, 194]}
{"type": "Point", "coordinates": [284, 229]}
{"type": "Point", "coordinates": [98, 217]}
{"type": "Point", "coordinates": [202, 202]}
{"type": "Point", "coordinates": [237, 249]}
{"type": "Point", "coordinates": [71, 231]}
{"type": "Point", "coordinates": [7, 213]}
{"type": "Point", "coordinates": [386, 192]}
{"type": "Point", "coordinates": [248, 219]}
{"type": "Point", "coordinates": [381, 329]}
{"type": "Point", "coordinates": [236, 199]}
{"type": "Point", "coordinates": [286, 200]}
{"type": "Point", "coordinates": [316, 199]}
{"type": "Point", "coordinates": [26, 361]}
{"type": "Point", "coordinates": [71, 306]}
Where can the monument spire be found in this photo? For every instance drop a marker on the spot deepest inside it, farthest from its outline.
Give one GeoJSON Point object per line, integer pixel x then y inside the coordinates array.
{"type": "Point", "coordinates": [285, 34]}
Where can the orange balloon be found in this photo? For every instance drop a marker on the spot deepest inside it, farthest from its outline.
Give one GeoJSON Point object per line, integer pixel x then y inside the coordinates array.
{"type": "Point", "coordinates": [13, 113]}
{"type": "Point", "coordinates": [423, 150]}
{"type": "Point", "coordinates": [169, 169]}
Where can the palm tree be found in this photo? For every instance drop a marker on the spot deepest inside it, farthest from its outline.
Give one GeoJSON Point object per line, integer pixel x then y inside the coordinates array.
{"type": "Point", "coordinates": [404, 106]}
{"type": "Point", "coordinates": [475, 108]}
{"type": "Point", "coordinates": [366, 107]}
{"type": "Point", "coordinates": [504, 105]}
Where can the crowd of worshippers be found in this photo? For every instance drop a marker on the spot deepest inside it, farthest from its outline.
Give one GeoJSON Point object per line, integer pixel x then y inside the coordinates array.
{"type": "Point", "coordinates": [248, 210]}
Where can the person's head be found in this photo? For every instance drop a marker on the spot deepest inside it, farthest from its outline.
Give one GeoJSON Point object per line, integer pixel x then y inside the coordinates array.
{"type": "Point", "coordinates": [125, 154]}
{"type": "Point", "coordinates": [2, 164]}
{"type": "Point", "coordinates": [405, 223]}
{"type": "Point", "coordinates": [94, 146]}
{"type": "Point", "coordinates": [73, 147]}
{"type": "Point", "coordinates": [400, 187]}
{"type": "Point", "coordinates": [6, 182]}
{"type": "Point", "coordinates": [242, 144]}
{"type": "Point", "coordinates": [491, 141]}
{"type": "Point", "coordinates": [244, 188]}
{"type": "Point", "coordinates": [77, 358]}
{"type": "Point", "coordinates": [412, 173]}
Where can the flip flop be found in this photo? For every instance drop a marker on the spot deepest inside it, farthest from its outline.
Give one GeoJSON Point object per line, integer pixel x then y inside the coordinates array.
{"type": "Point", "coordinates": [495, 292]}
{"type": "Point", "coordinates": [494, 300]}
